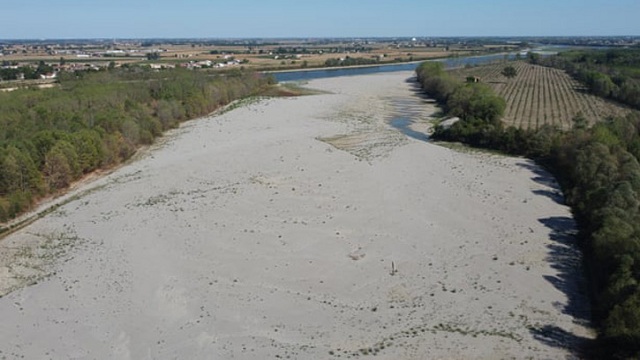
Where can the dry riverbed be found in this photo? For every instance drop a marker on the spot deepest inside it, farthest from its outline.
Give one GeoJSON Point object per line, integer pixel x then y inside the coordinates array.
{"type": "Point", "coordinates": [301, 228]}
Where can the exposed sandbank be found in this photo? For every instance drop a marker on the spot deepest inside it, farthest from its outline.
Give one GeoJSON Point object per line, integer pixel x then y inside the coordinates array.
{"type": "Point", "coordinates": [271, 230]}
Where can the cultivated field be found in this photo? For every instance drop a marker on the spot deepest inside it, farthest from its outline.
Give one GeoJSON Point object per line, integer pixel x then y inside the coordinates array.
{"type": "Point", "coordinates": [540, 95]}
{"type": "Point", "coordinates": [257, 55]}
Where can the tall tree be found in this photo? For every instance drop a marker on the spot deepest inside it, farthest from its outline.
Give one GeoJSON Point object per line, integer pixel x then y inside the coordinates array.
{"type": "Point", "coordinates": [509, 72]}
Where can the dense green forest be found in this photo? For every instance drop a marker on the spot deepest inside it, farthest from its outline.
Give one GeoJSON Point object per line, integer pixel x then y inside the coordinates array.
{"type": "Point", "coordinates": [599, 172]}
{"type": "Point", "coordinates": [50, 137]}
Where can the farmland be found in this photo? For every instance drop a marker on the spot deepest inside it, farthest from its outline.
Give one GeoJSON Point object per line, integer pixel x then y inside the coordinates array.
{"type": "Point", "coordinates": [539, 95]}
{"type": "Point", "coordinates": [255, 54]}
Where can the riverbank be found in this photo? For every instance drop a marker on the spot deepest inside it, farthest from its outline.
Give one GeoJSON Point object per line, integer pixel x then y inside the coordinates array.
{"type": "Point", "coordinates": [305, 228]}
{"type": "Point", "coordinates": [348, 67]}
{"type": "Point", "coordinates": [293, 75]}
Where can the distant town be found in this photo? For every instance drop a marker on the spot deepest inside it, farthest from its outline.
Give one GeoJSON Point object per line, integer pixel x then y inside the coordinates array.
{"type": "Point", "coordinates": [44, 60]}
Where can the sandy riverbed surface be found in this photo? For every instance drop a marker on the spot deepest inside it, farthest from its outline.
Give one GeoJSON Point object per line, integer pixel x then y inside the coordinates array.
{"type": "Point", "coordinates": [301, 228]}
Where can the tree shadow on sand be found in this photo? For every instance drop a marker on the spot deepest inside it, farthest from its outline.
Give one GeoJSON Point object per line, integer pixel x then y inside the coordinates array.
{"type": "Point", "coordinates": [554, 195]}
{"type": "Point", "coordinates": [564, 256]}
{"type": "Point", "coordinates": [556, 337]}
{"type": "Point", "coordinates": [543, 177]}
{"type": "Point", "coordinates": [416, 89]}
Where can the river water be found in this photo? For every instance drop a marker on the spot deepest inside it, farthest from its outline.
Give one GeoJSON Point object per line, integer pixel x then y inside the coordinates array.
{"type": "Point", "coordinates": [304, 75]}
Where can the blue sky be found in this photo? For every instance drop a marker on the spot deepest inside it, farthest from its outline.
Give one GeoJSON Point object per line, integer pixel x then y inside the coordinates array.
{"type": "Point", "coordinates": [35, 19]}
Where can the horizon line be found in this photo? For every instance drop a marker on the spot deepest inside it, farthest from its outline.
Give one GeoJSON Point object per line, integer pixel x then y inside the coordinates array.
{"type": "Point", "coordinates": [323, 37]}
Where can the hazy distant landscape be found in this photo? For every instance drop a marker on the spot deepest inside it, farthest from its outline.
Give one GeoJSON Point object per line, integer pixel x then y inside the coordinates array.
{"type": "Point", "coordinates": [260, 54]}
{"type": "Point", "coordinates": [286, 181]}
